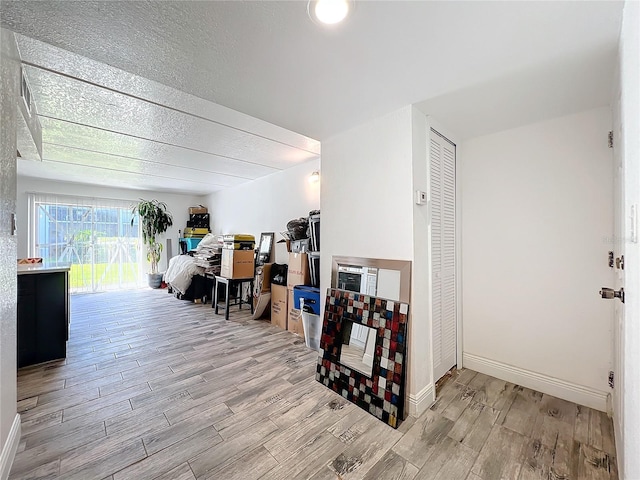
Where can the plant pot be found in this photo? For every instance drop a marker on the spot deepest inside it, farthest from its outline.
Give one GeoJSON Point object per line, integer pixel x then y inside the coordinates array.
{"type": "Point", "coordinates": [154, 280]}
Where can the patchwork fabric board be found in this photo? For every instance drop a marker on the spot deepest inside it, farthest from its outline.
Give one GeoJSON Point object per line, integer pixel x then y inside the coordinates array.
{"type": "Point", "coordinates": [381, 394]}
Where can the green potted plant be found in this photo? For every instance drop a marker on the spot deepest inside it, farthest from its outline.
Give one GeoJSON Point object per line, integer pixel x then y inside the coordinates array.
{"type": "Point", "coordinates": [154, 220]}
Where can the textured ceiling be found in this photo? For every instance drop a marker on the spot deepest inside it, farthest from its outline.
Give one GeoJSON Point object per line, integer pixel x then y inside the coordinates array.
{"type": "Point", "coordinates": [476, 66]}
{"type": "Point", "coordinates": [104, 126]}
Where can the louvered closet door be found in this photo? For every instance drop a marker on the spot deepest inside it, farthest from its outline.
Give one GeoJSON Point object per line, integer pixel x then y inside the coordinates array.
{"type": "Point", "coordinates": [442, 156]}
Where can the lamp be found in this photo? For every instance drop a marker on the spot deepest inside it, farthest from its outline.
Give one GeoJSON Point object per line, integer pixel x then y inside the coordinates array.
{"type": "Point", "coordinates": [328, 12]}
{"type": "Point", "coordinates": [314, 177]}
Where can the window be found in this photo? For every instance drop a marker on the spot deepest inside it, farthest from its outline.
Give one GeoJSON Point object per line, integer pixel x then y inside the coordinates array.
{"type": "Point", "coordinates": [94, 235]}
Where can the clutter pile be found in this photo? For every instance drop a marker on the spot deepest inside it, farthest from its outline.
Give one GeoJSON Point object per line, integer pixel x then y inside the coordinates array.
{"type": "Point", "coordinates": [208, 254]}
{"type": "Point", "coordinates": [196, 229]}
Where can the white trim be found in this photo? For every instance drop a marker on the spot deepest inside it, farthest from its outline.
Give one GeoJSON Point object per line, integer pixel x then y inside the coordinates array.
{"type": "Point", "coordinates": [617, 433]}
{"type": "Point", "coordinates": [442, 130]}
{"type": "Point", "coordinates": [572, 392]}
{"type": "Point", "coordinates": [458, 260]}
{"type": "Point", "coordinates": [423, 400]}
{"type": "Point", "coordinates": [10, 447]}
{"type": "Point", "coordinates": [367, 358]}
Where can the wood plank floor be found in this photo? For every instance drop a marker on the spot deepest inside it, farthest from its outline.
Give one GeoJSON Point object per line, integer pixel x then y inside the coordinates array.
{"type": "Point", "coordinates": [158, 388]}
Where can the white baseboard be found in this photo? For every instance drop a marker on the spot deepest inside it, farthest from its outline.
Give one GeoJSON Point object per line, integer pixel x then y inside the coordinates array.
{"type": "Point", "coordinates": [9, 449]}
{"type": "Point", "coordinates": [421, 401]}
{"type": "Point", "coordinates": [572, 392]}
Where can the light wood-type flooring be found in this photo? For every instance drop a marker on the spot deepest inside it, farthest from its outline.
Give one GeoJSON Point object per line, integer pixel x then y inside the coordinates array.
{"type": "Point", "coordinates": [158, 388]}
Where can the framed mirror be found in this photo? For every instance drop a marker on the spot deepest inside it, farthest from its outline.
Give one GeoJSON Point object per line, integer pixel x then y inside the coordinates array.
{"type": "Point", "coordinates": [372, 276]}
{"type": "Point", "coordinates": [264, 248]}
{"type": "Point", "coordinates": [363, 352]}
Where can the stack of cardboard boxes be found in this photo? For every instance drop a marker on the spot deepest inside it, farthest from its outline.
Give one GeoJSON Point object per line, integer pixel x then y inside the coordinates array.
{"type": "Point", "coordinates": [197, 227]}
{"type": "Point", "coordinates": [283, 311]}
{"type": "Point", "coordinates": [237, 256]}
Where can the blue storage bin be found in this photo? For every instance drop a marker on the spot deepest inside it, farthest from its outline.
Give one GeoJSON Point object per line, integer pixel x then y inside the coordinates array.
{"type": "Point", "coordinates": [192, 243]}
{"type": "Point", "coordinates": [311, 297]}
{"type": "Point", "coordinates": [311, 320]}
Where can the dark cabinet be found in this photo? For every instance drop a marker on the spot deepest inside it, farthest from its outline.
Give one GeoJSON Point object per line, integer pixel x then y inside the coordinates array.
{"type": "Point", "coordinates": [43, 317]}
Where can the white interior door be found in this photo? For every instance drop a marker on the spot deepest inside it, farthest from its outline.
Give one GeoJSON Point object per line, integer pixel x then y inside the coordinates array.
{"type": "Point", "coordinates": [618, 251]}
{"type": "Point", "coordinates": [359, 335]}
{"type": "Point", "coordinates": [629, 382]}
{"type": "Point", "coordinates": [442, 199]}
{"type": "Point", "coordinates": [626, 351]}
{"type": "Point", "coordinates": [626, 143]}
{"type": "Point", "coordinates": [627, 155]}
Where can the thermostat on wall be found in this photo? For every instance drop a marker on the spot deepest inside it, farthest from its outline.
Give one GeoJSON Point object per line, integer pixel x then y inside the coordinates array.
{"type": "Point", "coordinates": [421, 197]}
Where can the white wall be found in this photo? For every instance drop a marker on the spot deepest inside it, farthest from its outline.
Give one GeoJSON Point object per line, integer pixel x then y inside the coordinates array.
{"type": "Point", "coordinates": [420, 340]}
{"type": "Point", "coordinates": [367, 211]}
{"type": "Point", "coordinates": [267, 204]}
{"type": "Point", "coordinates": [537, 222]}
{"type": "Point", "coordinates": [178, 205]}
{"type": "Point", "coordinates": [9, 92]}
{"type": "Point", "coordinates": [366, 191]}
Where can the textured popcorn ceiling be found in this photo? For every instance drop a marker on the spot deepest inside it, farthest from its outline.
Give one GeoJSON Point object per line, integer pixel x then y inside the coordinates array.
{"type": "Point", "coordinates": [105, 126]}
{"type": "Point", "coordinates": [158, 67]}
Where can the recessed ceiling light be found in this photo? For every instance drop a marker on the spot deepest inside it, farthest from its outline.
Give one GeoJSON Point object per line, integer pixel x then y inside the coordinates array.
{"type": "Point", "coordinates": [328, 12]}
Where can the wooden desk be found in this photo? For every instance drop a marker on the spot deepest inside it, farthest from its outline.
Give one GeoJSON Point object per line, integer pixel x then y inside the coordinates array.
{"type": "Point", "coordinates": [227, 283]}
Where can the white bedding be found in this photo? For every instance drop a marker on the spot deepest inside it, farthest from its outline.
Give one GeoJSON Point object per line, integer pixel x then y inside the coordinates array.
{"type": "Point", "coordinates": [209, 240]}
{"type": "Point", "coordinates": [181, 269]}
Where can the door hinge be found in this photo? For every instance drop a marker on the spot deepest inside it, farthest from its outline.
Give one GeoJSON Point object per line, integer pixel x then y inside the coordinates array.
{"type": "Point", "coordinates": [610, 293]}
{"type": "Point", "coordinates": [611, 378]}
{"type": "Point", "coordinates": [610, 139]}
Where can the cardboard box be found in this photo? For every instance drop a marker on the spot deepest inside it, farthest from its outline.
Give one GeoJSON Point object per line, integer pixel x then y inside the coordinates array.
{"type": "Point", "coordinates": [279, 303]}
{"type": "Point", "coordinates": [263, 279]}
{"type": "Point", "coordinates": [294, 316]}
{"type": "Point", "coordinates": [298, 272]}
{"type": "Point", "coordinates": [287, 244]}
{"type": "Point", "coordinates": [237, 264]}
{"type": "Point", "coordinates": [198, 209]}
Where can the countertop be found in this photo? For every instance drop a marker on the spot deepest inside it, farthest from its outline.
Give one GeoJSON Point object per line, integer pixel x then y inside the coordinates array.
{"type": "Point", "coordinates": [42, 268]}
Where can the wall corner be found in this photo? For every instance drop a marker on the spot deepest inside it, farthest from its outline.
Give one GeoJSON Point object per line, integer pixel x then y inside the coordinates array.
{"type": "Point", "coordinates": [422, 400]}
{"type": "Point", "coordinates": [10, 448]}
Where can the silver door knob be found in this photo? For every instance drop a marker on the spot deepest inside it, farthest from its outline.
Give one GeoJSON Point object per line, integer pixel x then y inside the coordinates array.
{"type": "Point", "coordinates": [608, 293]}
